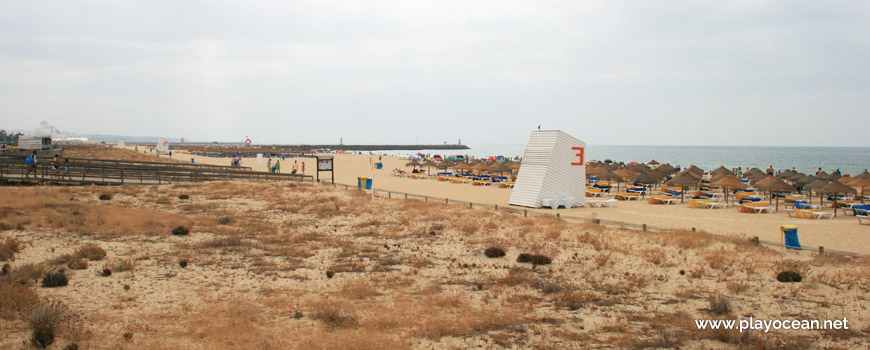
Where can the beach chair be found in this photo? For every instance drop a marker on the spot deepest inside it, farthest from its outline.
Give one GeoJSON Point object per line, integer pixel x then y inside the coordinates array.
{"type": "Point", "coordinates": [862, 216]}
{"type": "Point", "coordinates": [627, 196]}
{"type": "Point", "coordinates": [594, 192]}
{"type": "Point", "coordinates": [817, 214]}
{"type": "Point", "coordinates": [559, 201]}
{"type": "Point", "coordinates": [663, 200]}
{"type": "Point", "coordinates": [602, 202]}
{"type": "Point", "coordinates": [506, 184]}
{"type": "Point", "coordinates": [481, 182]}
{"type": "Point", "coordinates": [756, 208]}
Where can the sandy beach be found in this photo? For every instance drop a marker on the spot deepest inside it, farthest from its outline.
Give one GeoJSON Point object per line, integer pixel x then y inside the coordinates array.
{"type": "Point", "coordinates": [272, 265]}
{"type": "Point", "coordinates": [843, 233]}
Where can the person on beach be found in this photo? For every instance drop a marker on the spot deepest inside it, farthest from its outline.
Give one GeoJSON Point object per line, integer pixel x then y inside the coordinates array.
{"type": "Point", "coordinates": [770, 170]}
{"type": "Point", "coordinates": [269, 164]}
{"type": "Point", "coordinates": [277, 168]}
{"type": "Point", "coordinates": [32, 162]}
{"type": "Point", "coordinates": [295, 167]}
{"type": "Point", "coordinates": [303, 168]}
{"type": "Point", "coordinates": [55, 167]}
{"type": "Point", "coordinates": [66, 169]}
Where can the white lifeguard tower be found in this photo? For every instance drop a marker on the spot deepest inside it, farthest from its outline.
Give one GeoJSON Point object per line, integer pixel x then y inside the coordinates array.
{"type": "Point", "coordinates": [552, 173]}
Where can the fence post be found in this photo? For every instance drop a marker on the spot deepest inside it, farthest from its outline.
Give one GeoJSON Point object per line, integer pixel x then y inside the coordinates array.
{"type": "Point", "coordinates": [446, 201]}
{"type": "Point", "coordinates": [756, 240]}
{"type": "Point", "coordinates": [821, 250]}
{"type": "Point", "coordinates": [389, 194]}
{"type": "Point", "coordinates": [558, 215]}
{"type": "Point", "coordinates": [496, 207]}
{"type": "Point", "coordinates": [470, 204]}
{"type": "Point", "coordinates": [525, 213]}
{"type": "Point", "coordinates": [694, 229]}
{"type": "Point", "coordinates": [644, 227]}
{"type": "Point", "coordinates": [426, 199]}
{"type": "Point", "coordinates": [406, 196]}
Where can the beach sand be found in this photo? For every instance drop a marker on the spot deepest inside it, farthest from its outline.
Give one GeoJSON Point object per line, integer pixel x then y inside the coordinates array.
{"type": "Point", "coordinates": [843, 233]}
{"type": "Point", "coordinates": [272, 265]}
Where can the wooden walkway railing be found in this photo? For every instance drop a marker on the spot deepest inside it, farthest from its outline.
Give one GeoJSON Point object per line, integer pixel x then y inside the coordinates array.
{"type": "Point", "coordinates": [108, 172]}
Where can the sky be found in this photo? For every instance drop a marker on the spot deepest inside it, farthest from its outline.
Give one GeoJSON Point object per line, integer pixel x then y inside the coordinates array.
{"type": "Point", "coordinates": [739, 72]}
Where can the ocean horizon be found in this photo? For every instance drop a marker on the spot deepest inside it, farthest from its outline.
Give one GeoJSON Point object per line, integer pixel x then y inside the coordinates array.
{"type": "Point", "coordinates": [850, 160]}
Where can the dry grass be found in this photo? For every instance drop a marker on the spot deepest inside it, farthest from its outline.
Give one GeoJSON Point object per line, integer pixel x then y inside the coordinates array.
{"type": "Point", "coordinates": [403, 274]}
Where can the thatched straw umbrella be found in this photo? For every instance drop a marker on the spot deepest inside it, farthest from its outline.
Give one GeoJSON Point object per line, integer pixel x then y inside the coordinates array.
{"type": "Point", "coordinates": [502, 168]}
{"type": "Point", "coordinates": [610, 176]}
{"type": "Point", "coordinates": [816, 185]}
{"type": "Point", "coordinates": [480, 167]}
{"type": "Point", "coordinates": [753, 171]}
{"type": "Point", "coordinates": [765, 180]}
{"type": "Point", "coordinates": [721, 168]}
{"type": "Point", "coordinates": [461, 166]}
{"type": "Point", "coordinates": [684, 179]}
{"type": "Point", "coordinates": [413, 163]}
{"type": "Point", "coordinates": [797, 176]}
{"type": "Point", "coordinates": [833, 176]}
{"type": "Point", "coordinates": [861, 182]}
{"type": "Point", "coordinates": [774, 185]}
{"type": "Point", "coordinates": [444, 164]}
{"type": "Point", "coordinates": [653, 162]}
{"type": "Point", "coordinates": [624, 173]}
{"type": "Point", "coordinates": [696, 170]}
{"type": "Point", "coordinates": [644, 179]}
{"type": "Point", "coordinates": [728, 182]}
{"type": "Point", "coordinates": [786, 174]}
{"type": "Point", "coordinates": [428, 164]}
{"type": "Point", "coordinates": [665, 168]}
{"type": "Point", "coordinates": [595, 170]}
{"type": "Point", "coordinates": [835, 188]}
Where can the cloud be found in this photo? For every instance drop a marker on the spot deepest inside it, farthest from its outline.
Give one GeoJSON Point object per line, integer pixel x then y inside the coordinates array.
{"type": "Point", "coordinates": [624, 72]}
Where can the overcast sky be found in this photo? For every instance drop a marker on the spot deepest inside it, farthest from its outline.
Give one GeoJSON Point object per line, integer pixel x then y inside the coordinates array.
{"type": "Point", "coordinates": [734, 72]}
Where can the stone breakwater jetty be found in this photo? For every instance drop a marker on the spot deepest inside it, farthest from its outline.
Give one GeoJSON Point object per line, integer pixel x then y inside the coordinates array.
{"type": "Point", "coordinates": [305, 148]}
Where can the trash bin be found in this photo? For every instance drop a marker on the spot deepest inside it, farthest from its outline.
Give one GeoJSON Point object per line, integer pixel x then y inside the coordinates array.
{"type": "Point", "coordinates": [364, 182]}
{"type": "Point", "coordinates": [379, 165]}
{"type": "Point", "coordinates": [191, 160]}
{"type": "Point", "coordinates": [790, 237]}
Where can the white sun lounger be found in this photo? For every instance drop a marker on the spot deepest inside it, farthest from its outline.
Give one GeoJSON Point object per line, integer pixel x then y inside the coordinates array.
{"type": "Point", "coordinates": [556, 202]}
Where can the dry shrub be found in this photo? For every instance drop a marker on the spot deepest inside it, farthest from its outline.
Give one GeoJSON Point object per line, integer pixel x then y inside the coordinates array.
{"type": "Point", "coordinates": [8, 248]}
{"type": "Point", "coordinates": [686, 239]}
{"type": "Point", "coordinates": [720, 305]}
{"type": "Point", "coordinates": [334, 315]}
{"type": "Point", "coordinates": [720, 259]}
{"type": "Point", "coordinates": [598, 241]}
{"type": "Point", "coordinates": [468, 226]}
{"type": "Point", "coordinates": [737, 287]}
{"type": "Point", "coordinates": [801, 267]}
{"type": "Point", "coordinates": [91, 252]}
{"type": "Point", "coordinates": [654, 255]}
{"type": "Point", "coordinates": [517, 276]}
{"type": "Point", "coordinates": [846, 278]}
{"type": "Point", "coordinates": [437, 322]}
{"type": "Point", "coordinates": [602, 258]}
{"type": "Point", "coordinates": [15, 298]}
{"type": "Point", "coordinates": [123, 265]}
{"type": "Point", "coordinates": [357, 289]}
{"type": "Point", "coordinates": [574, 298]}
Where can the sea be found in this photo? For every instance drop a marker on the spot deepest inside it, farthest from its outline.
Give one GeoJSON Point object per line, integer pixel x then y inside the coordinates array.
{"type": "Point", "coordinates": [850, 160]}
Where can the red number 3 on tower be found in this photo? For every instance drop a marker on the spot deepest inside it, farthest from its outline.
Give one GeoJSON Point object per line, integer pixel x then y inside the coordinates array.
{"type": "Point", "coordinates": [579, 154]}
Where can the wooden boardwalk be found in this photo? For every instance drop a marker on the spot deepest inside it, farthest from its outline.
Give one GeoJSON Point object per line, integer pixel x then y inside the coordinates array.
{"type": "Point", "coordinates": [117, 172]}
